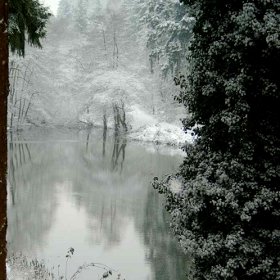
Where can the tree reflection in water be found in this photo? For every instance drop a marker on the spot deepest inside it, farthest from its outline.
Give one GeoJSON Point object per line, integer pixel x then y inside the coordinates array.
{"type": "Point", "coordinates": [104, 182]}
{"type": "Point", "coordinates": [118, 156]}
{"type": "Point", "coordinates": [31, 207]}
{"type": "Point", "coordinates": [163, 251]}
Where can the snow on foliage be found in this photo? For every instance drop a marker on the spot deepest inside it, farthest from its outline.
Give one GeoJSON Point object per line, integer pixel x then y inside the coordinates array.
{"type": "Point", "coordinates": [88, 67]}
{"type": "Point", "coordinates": [168, 33]}
{"type": "Point", "coordinates": [163, 133]}
{"type": "Point", "coordinates": [226, 216]}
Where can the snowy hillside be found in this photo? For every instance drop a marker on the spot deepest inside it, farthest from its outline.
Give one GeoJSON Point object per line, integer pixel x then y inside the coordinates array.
{"type": "Point", "coordinates": [82, 78]}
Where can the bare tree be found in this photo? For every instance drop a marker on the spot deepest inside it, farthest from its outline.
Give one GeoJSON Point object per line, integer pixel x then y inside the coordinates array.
{"type": "Point", "coordinates": [115, 50]}
{"type": "Point", "coordinates": [104, 42]}
{"type": "Point", "coordinates": [20, 95]}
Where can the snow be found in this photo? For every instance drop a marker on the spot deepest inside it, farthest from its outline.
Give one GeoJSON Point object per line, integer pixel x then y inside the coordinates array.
{"type": "Point", "coordinates": [163, 133]}
{"type": "Point", "coordinates": [76, 86]}
{"type": "Point", "coordinates": [18, 270]}
{"type": "Point", "coordinates": [175, 185]}
{"type": "Point", "coordinates": [140, 117]}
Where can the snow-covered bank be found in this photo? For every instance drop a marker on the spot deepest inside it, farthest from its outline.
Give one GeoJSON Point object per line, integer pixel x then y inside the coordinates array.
{"type": "Point", "coordinates": [155, 133]}
{"type": "Point", "coordinates": [144, 126]}
{"type": "Point", "coordinates": [75, 83]}
{"type": "Point", "coordinates": [20, 267]}
{"type": "Point", "coordinates": [163, 133]}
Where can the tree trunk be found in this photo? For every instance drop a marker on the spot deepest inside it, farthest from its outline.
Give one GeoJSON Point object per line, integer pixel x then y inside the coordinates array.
{"type": "Point", "coordinates": [4, 90]}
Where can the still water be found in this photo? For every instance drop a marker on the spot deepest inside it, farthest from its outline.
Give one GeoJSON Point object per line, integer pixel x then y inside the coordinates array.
{"type": "Point", "coordinates": [91, 191]}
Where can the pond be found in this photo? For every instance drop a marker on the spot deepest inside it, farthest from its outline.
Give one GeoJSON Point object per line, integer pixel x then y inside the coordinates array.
{"type": "Point", "coordinates": [91, 191]}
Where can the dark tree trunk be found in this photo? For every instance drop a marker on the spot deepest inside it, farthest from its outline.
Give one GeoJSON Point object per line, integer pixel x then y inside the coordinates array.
{"type": "Point", "coordinates": [4, 90]}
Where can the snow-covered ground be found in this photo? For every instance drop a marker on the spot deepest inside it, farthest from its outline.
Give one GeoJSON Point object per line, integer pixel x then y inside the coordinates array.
{"type": "Point", "coordinates": [162, 133]}
{"type": "Point", "coordinates": [20, 268]}
{"type": "Point", "coordinates": [76, 85]}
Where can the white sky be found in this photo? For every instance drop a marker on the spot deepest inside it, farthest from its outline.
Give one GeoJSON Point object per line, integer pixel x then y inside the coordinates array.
{"type": "Point", "coordinates": [53, 4]}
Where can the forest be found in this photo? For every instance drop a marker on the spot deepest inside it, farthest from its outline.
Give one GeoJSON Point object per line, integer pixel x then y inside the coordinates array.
{"type": "Point", "coordinates": [140, 140]}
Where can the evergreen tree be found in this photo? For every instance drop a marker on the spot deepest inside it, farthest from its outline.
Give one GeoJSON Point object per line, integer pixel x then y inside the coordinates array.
{"type": "Point", "coordinates": [81, 15]}
{"type": "Point", "coordinates": [27, 18]}
{"type": "Point", "coordinates": [65, 10]}
{"type": "Point", "coordinates": [98, 11]}
{"type": "Point", "coordinates": [169, 32]}
{"type": "Point", "coordinates": [227, 214]}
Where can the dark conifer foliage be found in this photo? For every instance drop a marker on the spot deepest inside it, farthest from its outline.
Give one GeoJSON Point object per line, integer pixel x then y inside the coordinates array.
{"type": "Point", "coordinates": [228, 213]}
{"type": "Point", "coordinates": [27, 23]}
{"type": "Point", "coordinates": [234, 85]}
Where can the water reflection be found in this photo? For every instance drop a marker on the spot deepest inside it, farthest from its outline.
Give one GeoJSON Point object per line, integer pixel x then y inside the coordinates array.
{"type": "Point", "coordinates": [90, 190]}
{"type": "Point", "coordinates": [30, 221]}
{"type": "Point", "coordinates": [162, 250]}
{"type": "Point", "coordinates": [118, 155]}
{"type": "Point", "coordinates": [19, 156]}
